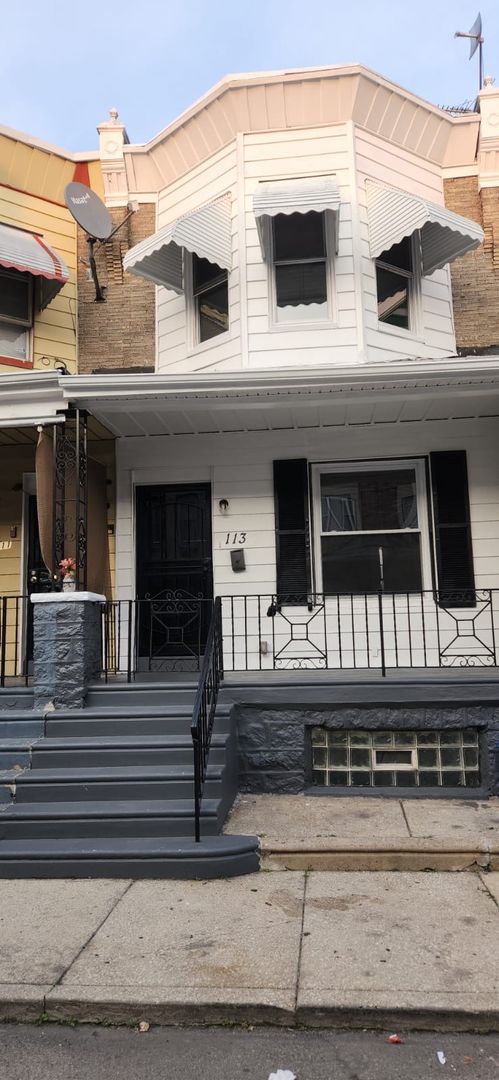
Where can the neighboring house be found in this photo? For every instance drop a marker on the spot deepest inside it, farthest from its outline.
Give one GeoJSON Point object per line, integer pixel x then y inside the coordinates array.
{"type": "Point", "coordinates": [299, 432]}
{"type": "Point", "coordinates": [38, 334]}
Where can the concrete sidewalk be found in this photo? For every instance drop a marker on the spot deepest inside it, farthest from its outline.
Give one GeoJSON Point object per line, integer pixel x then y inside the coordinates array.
{"type": "Point", "coordinates": [308, 832]}
{"type": "Point", "coordinates": [320, 949]}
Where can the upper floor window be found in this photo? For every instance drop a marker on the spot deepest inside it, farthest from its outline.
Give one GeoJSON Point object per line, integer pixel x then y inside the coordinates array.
{"type": "Point", "coordinates": [16, 315]}
{"type": "Point", "coordinates": [299, 246]}
{"type": "Point", "coordinates": [394, 284]}
{"type": "Point", "coordinates": [210, 288]}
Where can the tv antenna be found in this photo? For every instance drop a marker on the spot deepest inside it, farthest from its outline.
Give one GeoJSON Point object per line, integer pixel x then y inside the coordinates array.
{"type": "Point", "coordinates": [476, 42]}
{"type": "Point", "coordinates": [94, 218]}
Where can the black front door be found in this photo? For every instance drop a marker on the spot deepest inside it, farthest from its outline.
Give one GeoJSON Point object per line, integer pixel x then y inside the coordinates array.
{"type": "Point", "coordinates": [174, 574]}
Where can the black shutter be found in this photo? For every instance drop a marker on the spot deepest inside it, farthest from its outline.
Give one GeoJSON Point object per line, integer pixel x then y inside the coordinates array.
{"type": "Point", "coordinates": [451, 514]}
{"type": "Point", "coordinates": [292, 538]}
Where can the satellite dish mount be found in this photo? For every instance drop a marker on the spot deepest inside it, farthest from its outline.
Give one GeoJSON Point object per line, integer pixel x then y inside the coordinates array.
{"type": "Point", "coordinates": [476, 42]}
{"type": "Point", "coordinates": [94, 218]}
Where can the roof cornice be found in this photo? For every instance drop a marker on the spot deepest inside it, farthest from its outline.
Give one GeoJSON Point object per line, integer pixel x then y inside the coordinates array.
{"type": "Point", "coordinates": [48, 148]}
{"type": "Point", "coordinates": [268, 101]}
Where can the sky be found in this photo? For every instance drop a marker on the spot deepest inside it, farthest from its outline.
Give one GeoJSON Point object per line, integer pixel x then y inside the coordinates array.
{"type": "Point", "coordinates": [64, 65]}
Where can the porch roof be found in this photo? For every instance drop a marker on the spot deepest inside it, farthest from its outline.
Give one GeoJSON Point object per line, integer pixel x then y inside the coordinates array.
{"type": "Point", "coordinates": [243, 401]}
{"type": "Point", "coordinates": [247, 402]}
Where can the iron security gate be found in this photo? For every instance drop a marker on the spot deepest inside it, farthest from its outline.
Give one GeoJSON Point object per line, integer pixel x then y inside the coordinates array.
{"type": "Point", "coordinates": [174, 575]}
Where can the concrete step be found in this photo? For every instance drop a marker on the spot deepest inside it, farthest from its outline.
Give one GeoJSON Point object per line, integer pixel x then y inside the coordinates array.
{"type": "Point", "coordinates": [118, 726]}
{"type": "Point", "coordinates": [8, 778]}
{"type": "Point", "coordinates": [129, 857]}
{"type": "Point", "coordinates": [167, 720]}
{"type": "Point", "coordinates": [15, 752]}
{"type": "Point", "coordinates": [25, 724]}
{"type": "Point", "coordinates": [14, 698]}
{"type": "Point", "coordinates": [128, 750]}
{"type": "Point", "coordinates": [140, 695]}
{"type": "Point", "coordinates": [146, 782]}
{"type": "Point", "coordinates": [60, 820]}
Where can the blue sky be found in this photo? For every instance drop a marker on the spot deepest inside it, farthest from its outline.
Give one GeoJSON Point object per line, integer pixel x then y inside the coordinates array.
{"type": "Point", "coordinates": [65, 64]}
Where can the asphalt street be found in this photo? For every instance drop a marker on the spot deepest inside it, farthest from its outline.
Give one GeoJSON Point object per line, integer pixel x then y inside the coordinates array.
{"type": "Point", "coordinates": [53, 1052]}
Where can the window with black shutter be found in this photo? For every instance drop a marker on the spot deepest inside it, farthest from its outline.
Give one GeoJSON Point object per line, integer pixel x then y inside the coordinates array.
{"type": "Point", "coordinates": [451, 514]}
{"type": "Point", "coordinates": [292, 538]}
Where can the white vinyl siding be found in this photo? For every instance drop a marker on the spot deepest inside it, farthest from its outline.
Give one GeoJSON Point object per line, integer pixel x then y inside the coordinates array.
{"type": "Point", "coordinates": [378, 160]}
{"type": "Point", "coordinates": [239, 467]}
{"type": "Point", "coordinates": [273, 156]}
{"type": "Point", "coordinates": [175, 354]}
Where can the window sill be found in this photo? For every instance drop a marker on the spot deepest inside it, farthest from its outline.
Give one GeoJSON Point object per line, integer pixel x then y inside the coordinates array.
{"type": "Point", "coordinates": [205, 346]}
{"type": "Point", "coordinates": [13, 361]}
{"type": "Point", "coordinates": [322, 324]}
{"type": "Point", "coordinates": [400, 331]}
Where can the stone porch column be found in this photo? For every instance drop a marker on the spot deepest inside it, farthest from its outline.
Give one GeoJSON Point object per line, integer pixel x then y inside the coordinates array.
{"type": "Point", "coordinates": [67, 645]}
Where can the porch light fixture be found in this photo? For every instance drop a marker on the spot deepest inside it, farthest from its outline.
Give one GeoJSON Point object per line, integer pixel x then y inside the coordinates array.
{"type": "Point", "coordinates": [223, 506]}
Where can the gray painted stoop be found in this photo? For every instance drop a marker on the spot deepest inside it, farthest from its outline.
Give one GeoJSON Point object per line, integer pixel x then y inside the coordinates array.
{"type": "Point", "coordinates": [108, 791]}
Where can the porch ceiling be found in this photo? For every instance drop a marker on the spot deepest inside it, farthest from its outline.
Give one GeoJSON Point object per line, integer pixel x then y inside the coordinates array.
{"type": "Point", "coordinates": [185, 416]}
{"type": "Point", "coordinates": [401, 392]}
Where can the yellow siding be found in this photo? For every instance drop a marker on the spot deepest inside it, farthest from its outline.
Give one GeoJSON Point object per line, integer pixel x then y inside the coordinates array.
{"type": "Point", "coordinates": [32, 169]}
{"type": "Point", "coordinates": [54, 333]}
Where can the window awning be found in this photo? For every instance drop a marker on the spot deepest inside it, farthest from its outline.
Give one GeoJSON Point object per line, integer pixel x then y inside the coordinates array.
{"type": "Point", "coordinates": [205, 232]}
{"type": "Point", "coordinates": [31, 254]}
{"type": "Point", "coordinates": [394, 214]}
{"type": "Point", "coordinates": [318, 193]}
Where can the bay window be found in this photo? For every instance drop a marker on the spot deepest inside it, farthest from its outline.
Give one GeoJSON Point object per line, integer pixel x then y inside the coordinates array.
{"type": "Point", "coordinates": [299, 248]}
{"type": "Point", "coordinates": [210, 288]}
{"type": "Point", "coordinates": [394, 284]}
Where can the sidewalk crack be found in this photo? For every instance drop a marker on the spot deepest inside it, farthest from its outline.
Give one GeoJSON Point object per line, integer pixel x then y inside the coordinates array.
{"type": "Point", "coordinates": [483, 880]}
{"type": "Point", "coordinates": [404, 815]}
{"type": "Point", "coordinates": [300, 944]}
{"type": "Point", "coordinates": [92, 935]}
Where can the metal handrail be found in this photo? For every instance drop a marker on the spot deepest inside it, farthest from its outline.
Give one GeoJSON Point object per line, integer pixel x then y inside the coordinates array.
{"type": "Point", "coordinates": [203, 715]}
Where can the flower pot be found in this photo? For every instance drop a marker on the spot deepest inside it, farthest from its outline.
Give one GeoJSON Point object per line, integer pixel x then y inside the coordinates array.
{"type": "Point", "coordinates": [68, 583]}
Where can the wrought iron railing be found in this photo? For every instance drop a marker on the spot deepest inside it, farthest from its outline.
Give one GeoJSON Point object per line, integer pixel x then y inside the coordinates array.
{"type": "Point", "coordinates": [378, 631]}
{"type": "Point", "coordinates": [15, 639]}
{"type": "Point", "coordinates": [162, 633]}
{"type": "Point", "coordinates": [203, 716]}
{"type": "Point", "coordinates": [381, 631]}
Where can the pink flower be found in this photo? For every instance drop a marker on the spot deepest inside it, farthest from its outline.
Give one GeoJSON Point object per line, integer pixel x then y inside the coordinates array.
{"type": "Point", "coordinates": [67, 566]}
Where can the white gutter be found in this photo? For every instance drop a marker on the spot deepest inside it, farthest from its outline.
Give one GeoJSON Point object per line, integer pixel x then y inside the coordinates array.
{"type": "Point", "coordinates": [49, 393]}
{"type": "Point", "coordinates": [30, 421]}
{"type": "Point", "coordinates": [468, 372]}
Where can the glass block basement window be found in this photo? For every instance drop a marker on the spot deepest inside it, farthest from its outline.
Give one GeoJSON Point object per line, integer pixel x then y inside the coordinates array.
{"type": "Point", "coordinates": [395, 758]}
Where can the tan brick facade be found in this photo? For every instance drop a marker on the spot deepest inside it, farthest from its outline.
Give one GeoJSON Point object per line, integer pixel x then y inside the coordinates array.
{"type": "Point", "coordinates": [475, 277]}
{"type": "Point", "coordinates": [119, 334]}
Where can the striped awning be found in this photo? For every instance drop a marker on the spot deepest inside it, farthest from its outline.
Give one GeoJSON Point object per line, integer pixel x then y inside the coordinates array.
{"type": "Point", "coordinates": [31, 254]}
{"type": "Point", "coordinates": [317, 193]}
{"type": "Point", "coordinates": [394, 214]}
{"type": "Point", "coordinates": [206, 232]}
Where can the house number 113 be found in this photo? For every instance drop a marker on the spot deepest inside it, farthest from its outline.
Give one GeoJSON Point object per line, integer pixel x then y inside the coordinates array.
{"type": "Point", "coordinates": [235, 538]}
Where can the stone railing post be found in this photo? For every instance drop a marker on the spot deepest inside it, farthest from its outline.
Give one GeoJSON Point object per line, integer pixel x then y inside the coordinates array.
{"type": "Point", "coordinates": [67, 647]}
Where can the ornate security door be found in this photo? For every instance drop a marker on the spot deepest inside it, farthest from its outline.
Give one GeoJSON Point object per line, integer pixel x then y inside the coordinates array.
{"type": "Point", "coordinates": [174, 575]}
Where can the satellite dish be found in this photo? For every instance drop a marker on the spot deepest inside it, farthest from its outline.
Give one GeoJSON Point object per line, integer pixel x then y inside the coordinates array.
{"type": "Point", "coordinates": [88, 210]}
{"type": "Point", "coordinates": [475, 35]}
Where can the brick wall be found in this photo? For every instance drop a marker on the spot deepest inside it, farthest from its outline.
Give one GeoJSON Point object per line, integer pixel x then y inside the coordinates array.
{"type": "Point", "coordinates": [119, 334]}
{"type": "Point", "coordinates": [475, 277]}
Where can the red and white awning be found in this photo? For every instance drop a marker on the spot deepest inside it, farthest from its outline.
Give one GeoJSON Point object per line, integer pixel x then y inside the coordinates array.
{"type": "Point", "coordinates": [31, 254]}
